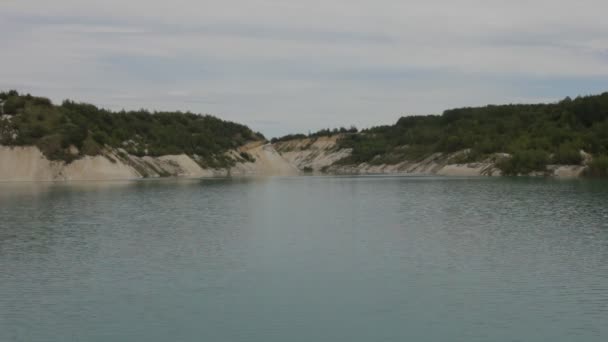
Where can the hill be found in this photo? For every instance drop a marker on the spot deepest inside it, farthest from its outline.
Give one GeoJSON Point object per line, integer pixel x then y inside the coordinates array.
{"type": "Point", "coordinates": [532, 136]}
{"type": "Point", "coordinates": [72, 130]}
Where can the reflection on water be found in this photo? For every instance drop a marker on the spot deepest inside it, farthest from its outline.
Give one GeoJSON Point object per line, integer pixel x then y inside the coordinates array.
{"type": "Point", "coordinates": [305, 259]}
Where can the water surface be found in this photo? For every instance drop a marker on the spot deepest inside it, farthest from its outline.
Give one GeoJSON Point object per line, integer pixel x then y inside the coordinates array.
{"type": "Point", "coordinates": [305, 259]}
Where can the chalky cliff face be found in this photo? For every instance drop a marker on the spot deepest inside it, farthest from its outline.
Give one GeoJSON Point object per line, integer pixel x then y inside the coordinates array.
{"type": "Point", "coordinates": [324, 155]}
{"type": "Point", "coordinates": [312, 154]}
{"type": "Point", "coordinates": [28, 163]}
{"type": "Point", "coordinates": [40, 141]}
{"type": "Point", "coordinates": [321, 155]}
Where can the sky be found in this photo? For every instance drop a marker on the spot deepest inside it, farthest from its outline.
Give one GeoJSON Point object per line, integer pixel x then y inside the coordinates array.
{"type": "Point", "coordinates": [283, 66]}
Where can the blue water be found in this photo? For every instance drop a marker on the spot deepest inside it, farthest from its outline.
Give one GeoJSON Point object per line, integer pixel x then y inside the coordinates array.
{"type": "Point", "coordinates": [305, 259]}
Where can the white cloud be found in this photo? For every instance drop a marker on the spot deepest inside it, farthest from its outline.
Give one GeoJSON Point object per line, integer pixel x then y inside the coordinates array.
{"type": "Point", "coordinates": [304, 64]}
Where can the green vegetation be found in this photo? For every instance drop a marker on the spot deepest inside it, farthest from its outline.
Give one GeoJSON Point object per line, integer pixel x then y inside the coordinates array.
{"type": "Point", "coordinates": [534, 135]}
{"type": "Point", "coordinates": [598, 167]}
{"type": "Point", "coordinates": [288, 137]}
{"type": "Point", "coordinates": [322, 133]}
{"type": "Point", "coordinates": [54, 128]}
{"type": "Point", "coordinates": [247, 157]}
{"type": "Point", "coordinates": [524, 162]}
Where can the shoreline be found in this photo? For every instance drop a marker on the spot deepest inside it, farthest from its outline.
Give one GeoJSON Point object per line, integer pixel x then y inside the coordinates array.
{"type": "Point", "coordinates": [28, 164]}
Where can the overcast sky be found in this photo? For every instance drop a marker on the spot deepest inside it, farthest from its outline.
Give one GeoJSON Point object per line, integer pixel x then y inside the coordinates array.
{"type": "Point", "coordinates": [284, 66]}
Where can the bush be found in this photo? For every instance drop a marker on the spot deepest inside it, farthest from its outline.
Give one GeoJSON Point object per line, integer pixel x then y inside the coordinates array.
{"type": "Point", "coordinates": [567, 155]}
{"type": "Point", "coordinates": [288, 137]}
{"type": "Point", "coordinates": [51, 147]}
{"type": "Point", "coordinates": [452, 143]}
{"type": "Point", "coordinates": [524, 162]}
{"type": "Point", "coordinates": [73, 135]}
{"type": "Point", "coordinates": [598, 167]}
{"type": "Point", "coordinates": [248, 157]}
{"type": "Point", "coordinates": [100, 137]}
{"type": "Point", "coordinates": [41, 101]}
{"type": "Point", "coordinates": [5, 95]}
{"type": "Point", "coordinates": [90, 147]}
{"type": "Point", "coordinates": [13, 105]}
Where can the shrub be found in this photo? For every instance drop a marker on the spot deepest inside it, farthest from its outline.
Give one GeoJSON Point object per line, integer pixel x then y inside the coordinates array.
{"type": "Point", "coordinates": [567, 155]}
{"type": "Point", "coordinates": [100, 137]}
{"type": "Point", "coordinates": [51, 147]}
{"type": "Point", "coordinates": [5, 95]}
{"type": "Point", "coordinates": [13, 105]}
{"type": "Point", "coordinates": [524, 162]}
{"type": "Point", "coordinates": [452, 143]}
{"type": "Point", "coordinates": [90, 147]}
{"type": "Point", "coordinates": [288, 137]}
{"type": "Point", "coordinates": [73, 135]}
{"type": "Point", "coordinates": [598, 167]}
{"type": "Point", "coordinates": [41, 101]}
{"type": "Point", "coordinates": [248, 157]}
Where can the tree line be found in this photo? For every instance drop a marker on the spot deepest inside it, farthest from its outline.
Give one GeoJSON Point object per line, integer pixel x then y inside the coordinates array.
{"type": "Point", "coordinates": [326, 132]}
{"type": "Point", "coordinates": [54, 128]}
{"type": "Point", "coordinates": [535, 135]}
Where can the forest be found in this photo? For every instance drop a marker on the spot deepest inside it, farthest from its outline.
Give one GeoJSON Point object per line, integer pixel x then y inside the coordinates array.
{"type": "Point", "coordinates": [534, 135]}
{"type": "Point", "coordinates": [31, 120]}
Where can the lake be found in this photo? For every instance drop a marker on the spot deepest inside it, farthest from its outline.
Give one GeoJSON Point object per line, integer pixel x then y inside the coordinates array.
{"type": "Point", "coordinates": [305, 259]}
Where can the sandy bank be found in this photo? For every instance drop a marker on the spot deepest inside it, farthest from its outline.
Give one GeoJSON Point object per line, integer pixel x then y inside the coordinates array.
{"type": "Point", "coordinates": [312, 154]}
{"type": "Point", "coordinates": [29, 164]}
{"type": "Point", "coordinates": [268, 162]}
{"type": "Point", "coordinates": [321, 154]}
{"type": "Point", "coordinates": [281, 159]}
